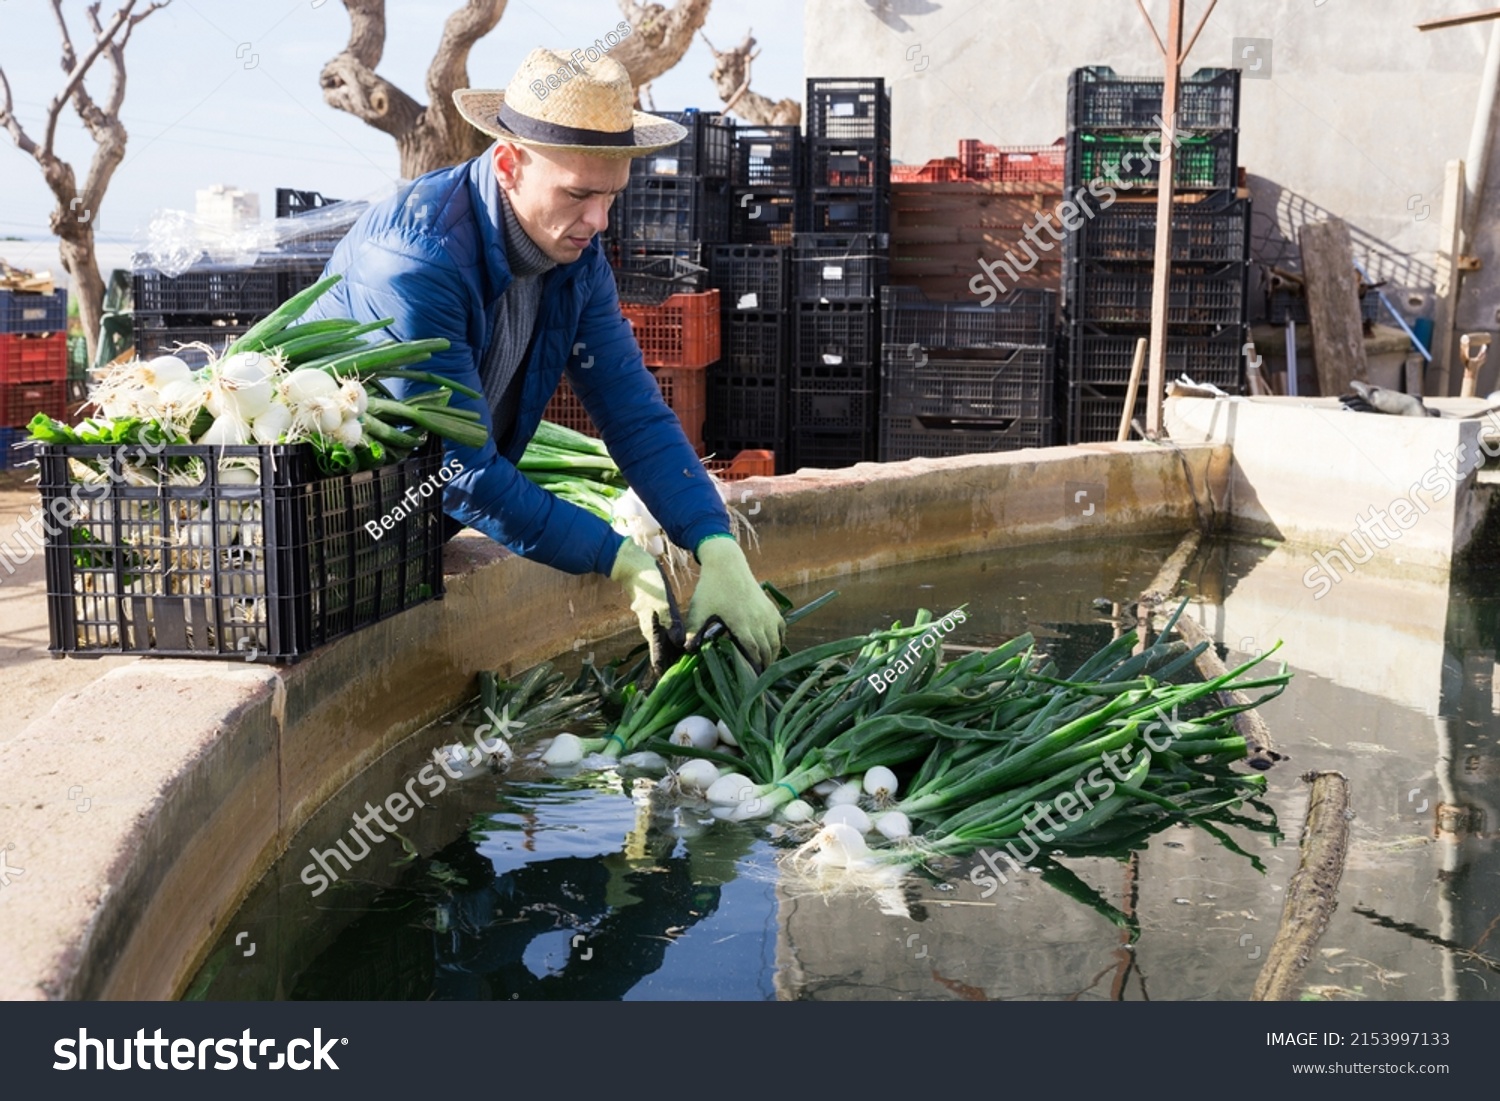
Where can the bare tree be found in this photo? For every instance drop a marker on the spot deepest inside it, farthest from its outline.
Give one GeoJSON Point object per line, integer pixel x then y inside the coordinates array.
{"type": "Point", "coordinates": [72, 219]}
{"type": "Point", "coordinates": [659, 37]}
{"type": "Point", "coordinates": [436, 135]}
{"type": "Point", "coordinates": [731, 77]}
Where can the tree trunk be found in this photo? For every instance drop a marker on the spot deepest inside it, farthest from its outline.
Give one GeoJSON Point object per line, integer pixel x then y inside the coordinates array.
{"type": "Point", "coordinates": [88, 285]}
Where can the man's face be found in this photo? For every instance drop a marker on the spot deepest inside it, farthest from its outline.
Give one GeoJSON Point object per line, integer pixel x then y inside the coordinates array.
{"type": "Point", "coordinates": [561, 199]}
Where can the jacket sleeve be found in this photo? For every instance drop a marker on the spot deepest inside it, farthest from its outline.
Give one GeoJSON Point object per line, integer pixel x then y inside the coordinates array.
{"type": "Point", "coordinates": [427, 297]}
{"type": "Point", "coordinates": [643, 435]}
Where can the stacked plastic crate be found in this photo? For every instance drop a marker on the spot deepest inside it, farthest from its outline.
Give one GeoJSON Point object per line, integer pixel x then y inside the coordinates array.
{"type": "Point", "coordinates": [840, 263]}
{"type": "Point", "coordinates": [961, 378]}
{"type": "Point", "coordinates": [677, 201]}
{"type": "Point", "coordinates": [33, 363]}
{"type": "Point", "coordinates": [1115, 132]}
{"type": "Point", "coordinates": [748, 392]}
{"type": "Point", "coordinates": [674, 208]}
{"type": "Point", "coordinates": [211, 302]}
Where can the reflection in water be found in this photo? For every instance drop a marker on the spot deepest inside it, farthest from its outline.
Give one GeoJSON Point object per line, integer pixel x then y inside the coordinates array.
{"type": "Point", "coordinates": [528, 887]}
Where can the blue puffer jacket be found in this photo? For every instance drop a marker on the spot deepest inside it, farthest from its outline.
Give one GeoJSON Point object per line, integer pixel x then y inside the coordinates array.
{"type": "Point", "coordinates": [433, 258]}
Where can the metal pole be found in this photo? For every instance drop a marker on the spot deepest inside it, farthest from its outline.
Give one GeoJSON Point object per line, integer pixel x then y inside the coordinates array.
{"type": "Point", "coordinates": [1167, 181]}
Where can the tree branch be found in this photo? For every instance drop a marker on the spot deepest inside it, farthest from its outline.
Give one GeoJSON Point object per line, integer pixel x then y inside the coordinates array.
{"type": "Point", "coordinates": [350, 83]}
{"type": "Point", "coordinates": [449, 70]}
{"type": "Point", "coordinates": [731, 77]}
{"type": "Point", "coordinates": [80, 69]}
{"type": "Point", "coordinates": [11, 123]}
{"type": "Point", "coordinates": [659, 37]}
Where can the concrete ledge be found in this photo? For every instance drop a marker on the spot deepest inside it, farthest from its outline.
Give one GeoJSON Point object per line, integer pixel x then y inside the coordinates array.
{"type": "Point", "coordinates": [199, 774]}
{"type": "Point", "coordinates": [1307, 472]}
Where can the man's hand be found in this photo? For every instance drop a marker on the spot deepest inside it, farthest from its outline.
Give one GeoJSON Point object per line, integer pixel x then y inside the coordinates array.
{"type": "Point", "coordinates": [727, 589]}
{"type": "Point", "coordinates": [636, 572]}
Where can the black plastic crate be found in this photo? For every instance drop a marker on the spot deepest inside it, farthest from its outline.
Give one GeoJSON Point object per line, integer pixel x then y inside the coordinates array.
{"type": "Point", "coordinates": [907, 437]}
{"type": "Point", "coordinates": [294, 278]}
{"type": "Point", "coordinates": [764, 215]}
{"type": "Point", "coordinates": [1098, 356]}
{"type": "Point", "coordinates": [1205, 232]}
{"type": "Point", "coordinates": [846, 108]}
{"type": "Point", "coordinates": [290, 202]}
{"type": "Point", "coordinates": [33, 313]}
{"type": "Point", "coordinates": [854, 210]}
{"type": "Point", "coordinates": [635, 255]}
{"type": "Point", "coordinates": [1015, 384]}
{"type": "Point", "coordinates": [833, 163]}
{"type": "Point", "coordinates": [835, 334]}
{"type": "Point", "coordinates": [1104, 294]}
{"type": "Point", "coordinates": [833, 449]}
{"type": "Point", "coordinates": [768, 156]}
{"type": "Point", "coordinates": [265, 572]}
{"type": "Point", "coordinates": [660, 211]}
{"type": "Point", "coordinates": [1022, 318]}
{"type": "Point", "coordinates": [1207, 100]}
{"type": "Point", "coordinates": [158, 334]}
{"type": "Point", "coordinates": [741, 409]}
{"type": "Point", "coordinates": [755, 344]}
{"type": "Point", "coordinates": [1204, 162]}
{"type": "Point", "coordinates": [233, 291]}
{"type": "Point", "coordinates": [840, 265]}
{"type": "Point", "coordinates": [1094, 412]}
{"type": "Point", "coordinates": [651, 280]}
{"type": "Point", "coordinates": [833, 406]}
{"type": "Point", "coordinates": [750, 277]}
{"type": "Point", "coordinates": [707, 152]}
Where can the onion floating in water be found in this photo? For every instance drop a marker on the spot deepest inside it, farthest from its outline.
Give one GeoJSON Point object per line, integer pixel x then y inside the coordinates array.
{"type": "Point", "coordinates": [645, 760]}
{"type": "Point", "coordinates": [797, 810]}
{"type": "Point", "coordinates": [697, 775]}
{"type": "Point", "coordinates": [695, 731]}
{"type": "Point", "coordinates": [848, 814]}
{"type": "Point", "coordinates": [845, 793]}
{"type": "Point", "coordinates": [880, 784]}
{"type": "Point", "coordinates": [565, 751]}
{"type": "Point", "coordinates": [730, 789]}
{"type": "Point", "coordinates": [893, 825]}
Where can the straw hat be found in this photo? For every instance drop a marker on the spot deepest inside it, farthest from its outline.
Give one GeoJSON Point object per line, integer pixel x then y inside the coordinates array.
{"type": "Point", "coordinates": [569, 103]}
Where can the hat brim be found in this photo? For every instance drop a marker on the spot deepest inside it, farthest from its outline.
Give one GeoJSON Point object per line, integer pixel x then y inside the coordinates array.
{"type": "Point", "coordinates": [481, 109]}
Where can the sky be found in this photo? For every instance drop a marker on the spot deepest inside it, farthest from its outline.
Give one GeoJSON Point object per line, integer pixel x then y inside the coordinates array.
{"type": "Point", "coordinates": [226, 92]}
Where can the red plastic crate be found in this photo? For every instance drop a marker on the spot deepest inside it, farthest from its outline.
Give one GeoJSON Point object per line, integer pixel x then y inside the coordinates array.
{"type": "Point", "coordinates": [747, 464]}
{"type": "Point", "coordinates": [20, 401]}
{"type": "Point", "coordinates": [685, 390]}
{"type": "Point", "coordinates": [33, 357]}
{"type": "Point", "coordinates": [944, 170]}
{"type": "Point", "coordinates": [682, 332]}
{"type": "Point", "coordinates": [1011, 163]}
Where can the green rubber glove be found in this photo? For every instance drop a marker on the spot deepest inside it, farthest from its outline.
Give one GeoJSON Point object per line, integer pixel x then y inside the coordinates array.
{"type": "Point", "coordinates": [635, 571]}
{"type": "Point", "coordinates": [727, 589]}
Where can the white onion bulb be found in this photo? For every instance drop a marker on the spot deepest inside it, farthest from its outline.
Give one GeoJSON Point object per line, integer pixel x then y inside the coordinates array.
{"type": "Point", "coordinates": [844, 793]}
{"type": "Point", "coordinates": [731, 788]}
{"type": "Point", "coordinates": [695, 731]}
{"type": "Point", "coordinates": [893, 825]}
{"type": "Point", "coordinates": [725, 734]}
{"type": "Point", "coordinates": [880, 783]}
{"type": "Point", "coordinates": [797, 811]}
{"type": "Point", "coordinates": [697, 775]}
{"type": "Point", "coordinates": [849, 815]}
{"type": "Point", "coordinates": [271, 425]}
{"type": "Point", "coordinates": [565, 751]}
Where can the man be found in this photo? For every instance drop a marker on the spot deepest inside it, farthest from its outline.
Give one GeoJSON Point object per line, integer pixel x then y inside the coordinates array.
{"type": "Point", "coordinates": [499, 255]}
